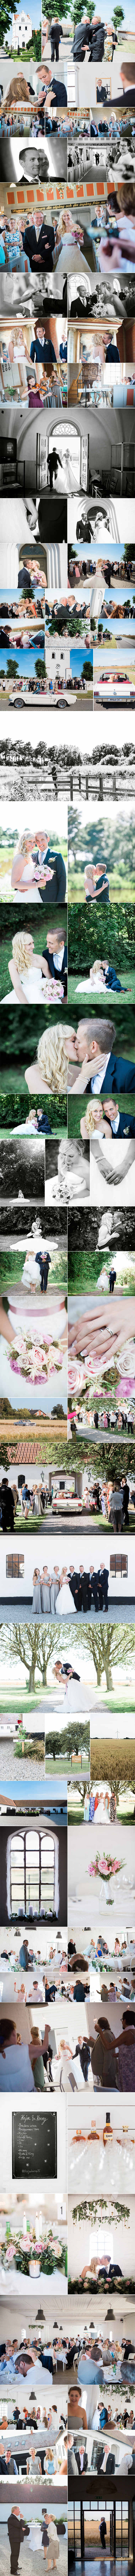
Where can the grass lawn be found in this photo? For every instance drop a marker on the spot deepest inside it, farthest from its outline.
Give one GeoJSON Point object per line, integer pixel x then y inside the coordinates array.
{"type": "Point", "coordinates": [82, 971]}
{"type": "Point", "coordinates": [64, 1763]}
{"type": "Point", "coordinates": [85, 1266]}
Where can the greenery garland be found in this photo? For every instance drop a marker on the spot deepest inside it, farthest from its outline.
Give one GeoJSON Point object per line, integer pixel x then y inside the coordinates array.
{"type": "Point", "coordinates": [101, 2209]}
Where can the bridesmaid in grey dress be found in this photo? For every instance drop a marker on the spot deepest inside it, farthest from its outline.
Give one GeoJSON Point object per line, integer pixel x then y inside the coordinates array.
{"type": "Point", "coordinates": [45, 1593]}
{"type": "Point", "coordinates": [36, 1604]}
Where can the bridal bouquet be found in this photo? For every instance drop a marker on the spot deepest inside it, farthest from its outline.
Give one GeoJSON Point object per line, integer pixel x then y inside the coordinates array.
{"type": "Point", "coordinates": [33, 1362]}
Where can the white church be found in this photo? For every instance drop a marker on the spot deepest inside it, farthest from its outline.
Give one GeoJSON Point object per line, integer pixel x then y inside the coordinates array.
{"type": "Point", "coordinates": [21, 32]}
{"type": "Point", "coordinates": [57, 661]}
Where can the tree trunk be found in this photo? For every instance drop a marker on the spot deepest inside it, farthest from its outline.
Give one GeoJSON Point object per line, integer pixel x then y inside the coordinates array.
{"type": "Point", "coordinates": [32, 1669]}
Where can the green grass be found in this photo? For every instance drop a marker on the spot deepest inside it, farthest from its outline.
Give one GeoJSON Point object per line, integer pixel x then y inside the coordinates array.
{"type": "Point", "coordinates": [84, 1268]}
{"type": "Point", "coordinates": [128, 979]}
{"type": "Point", "coordinates": [12, 1117]}
{"type": "Point", "coordinates": [109, 842]}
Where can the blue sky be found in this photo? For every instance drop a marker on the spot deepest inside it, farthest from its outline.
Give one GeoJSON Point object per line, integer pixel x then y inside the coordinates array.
{"type": "Point", "coordinates": [103, 548]}
{"type": "Point", "coordinates": [25, 661]}
{"type": "Point", "coordinates": [34, 7]}
{"type": "Point", "coordinates": [123, 591]}
{"type": "Point", "coordinates": [77, 659]}
{"type": "Point", "coordinates": [12, 595]}
{"type": "Point", "coordinates": [119, 653]}
{"type": "Point", "coordinates": [121, 632]}
{"type": "Point", "coordinates": [128, 16]}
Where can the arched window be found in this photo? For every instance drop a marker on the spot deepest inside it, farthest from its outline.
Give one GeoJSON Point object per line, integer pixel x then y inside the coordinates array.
{"type": "Point", "coordinates": [32, 1874]}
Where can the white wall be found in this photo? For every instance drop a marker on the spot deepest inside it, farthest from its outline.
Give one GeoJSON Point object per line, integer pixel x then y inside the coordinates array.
{"type": "Point", "coordinates": [69, 1550]}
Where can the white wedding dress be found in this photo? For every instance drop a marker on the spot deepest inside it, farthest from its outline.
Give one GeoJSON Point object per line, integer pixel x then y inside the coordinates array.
{"type": "Point", "coordinates": [32, 986]}
{"type": "Point", "coordinates": [66, 1602]}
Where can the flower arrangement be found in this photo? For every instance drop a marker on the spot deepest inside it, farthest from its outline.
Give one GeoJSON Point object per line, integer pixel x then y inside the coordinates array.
{"type": "Point", "coordinates": [42, 2256]}
{"type": "Point", "coordinates": [105, 1868]}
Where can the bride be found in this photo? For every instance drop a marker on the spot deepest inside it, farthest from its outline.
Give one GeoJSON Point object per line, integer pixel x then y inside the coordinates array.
{"type": "Point", "coordinates": [71, 1182]}
{"type": "Point", "coordinates": [65, 1596]}
{"type": "Point", "coordinates": [28, 973]}
{"type": "Point", "coordinates": [96, 980]}
{"type": "Point", "coordinates": [30, 866]}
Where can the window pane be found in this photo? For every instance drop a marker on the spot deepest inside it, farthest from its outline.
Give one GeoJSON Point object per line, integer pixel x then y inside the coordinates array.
{"type": "Point", "coordinates": [17, 1872]}
{"type": "Point", "coordinates": [47, 1873]}
{"type": "Point", "coordinates": [32, 1870]}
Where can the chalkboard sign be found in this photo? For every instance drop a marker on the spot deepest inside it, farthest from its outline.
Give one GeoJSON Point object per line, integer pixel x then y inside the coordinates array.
{"type": "Point", "coordinates": [34, 2145]}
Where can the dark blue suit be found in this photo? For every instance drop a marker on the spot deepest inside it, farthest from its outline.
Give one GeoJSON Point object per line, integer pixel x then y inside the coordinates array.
{"type": "Point", "coordinates": [112, 981]}
{"type": "Point", "coordinates": [126, 1125]}
{"type": "Point", "coordinates": [119, 1076]}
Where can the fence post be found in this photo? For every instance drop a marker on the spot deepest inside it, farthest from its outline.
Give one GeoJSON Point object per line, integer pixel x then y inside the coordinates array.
{"type": "Point", "coordinates": [71, 787]}
{"type": "Point", "coordinates": [101, 784]}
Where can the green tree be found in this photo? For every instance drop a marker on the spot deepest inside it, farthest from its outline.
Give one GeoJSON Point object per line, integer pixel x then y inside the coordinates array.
{"type": "Point", "coordinates": [33, 1647]}
{"type": "Point", "coordinates": [104, 1648]}
{"type": "Point", "coordinates": [5, 23]}
{"type": "Point", "coordinates": [40, 668]}
{"type": "Point", "coordinates": [129, 554]}
{"type": "Point", "coordinates": [71, 1740]}
{"type": "Point", "coordinates": [118, 18]}
{"type": "Point", "coordinates": [36, 44]}
{"type": "Point", "coordinates": [87, 670]}
{"type": "Point", "coordinates": [90, 11]}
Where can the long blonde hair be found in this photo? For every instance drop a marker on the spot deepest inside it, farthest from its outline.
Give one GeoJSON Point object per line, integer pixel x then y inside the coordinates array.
{"type": "Point", "coordinates": [21, 950]}
{"type": "Point", "coordinates": [89, 1117]}
{"type": "Point", "coordinates": [52, 1058]}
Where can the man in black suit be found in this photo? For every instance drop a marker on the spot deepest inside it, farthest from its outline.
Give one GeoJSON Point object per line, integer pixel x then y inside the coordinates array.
{"type": "Point", "coordinates": [66, 1672]}
{"type": "Point", "coordinates": [83, 2051]}
{"type": "Point", "coordinates": [125, 1489]}
{"type": "Point", "coordinates": [6, 1505]}
{"type": "Point", "coordinates": [74, 1581]}
{"type": "Point", "coordinates": [82, 1597]}
{"type": "Point", "coordinates": [56, 957]}
{"type": "Point", "coordinates": [39, 252]}
{"type": "Point", "coordinates": [18, 2530]}
{"type": "Point", "coordinates": [44, 1262]}
{"type": "Point", "coordinates": [112, 1277]}
{"type": "Point", "coordinates": [57, 887]}
{"type": "Point", "coordinates": [92, 1590]}
{"type": "Point", "coordinates": [102, 1585]}
{"type": "Point", "coordinates": [55, 33]}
